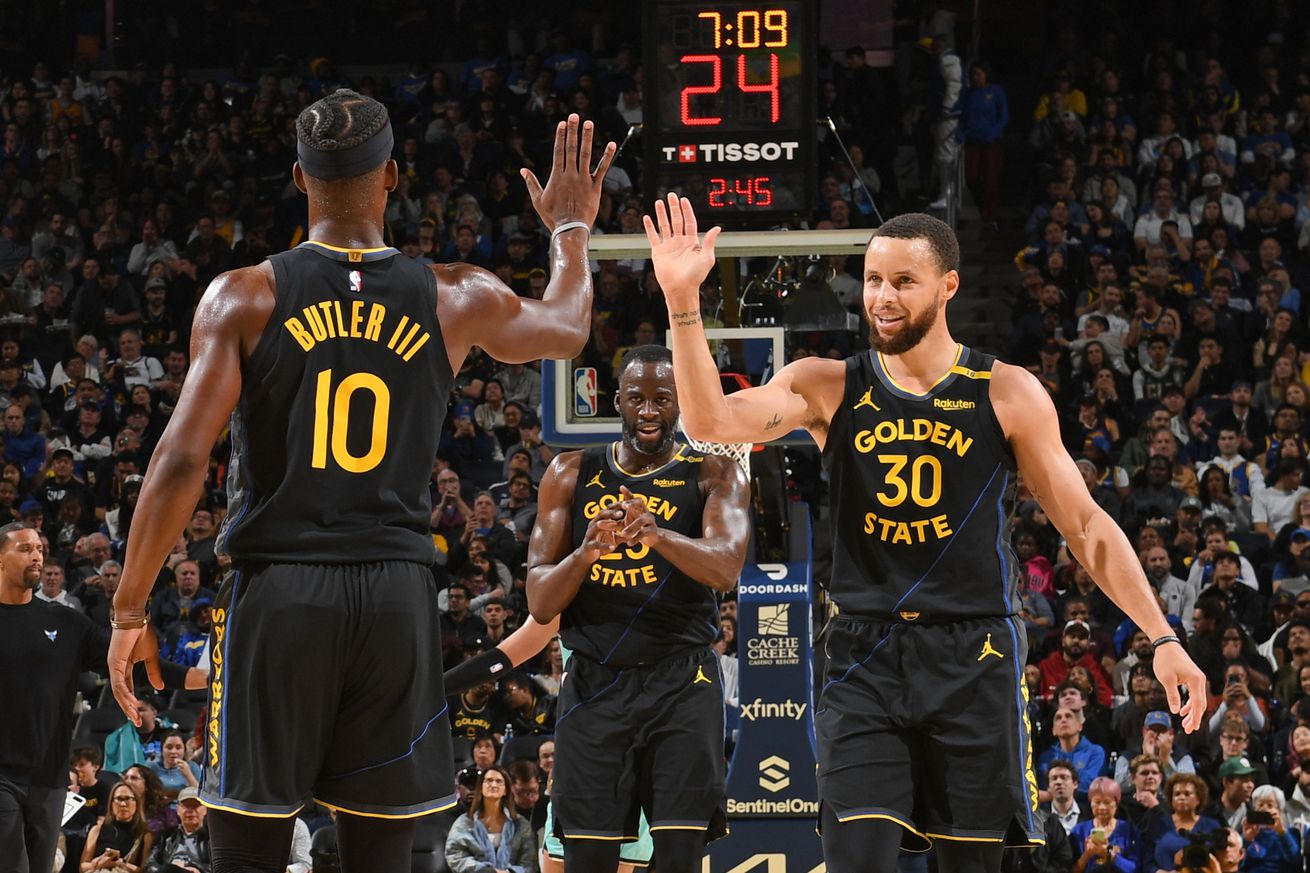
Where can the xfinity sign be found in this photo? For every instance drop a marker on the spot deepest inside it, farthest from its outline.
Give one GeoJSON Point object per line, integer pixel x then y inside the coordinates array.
{"type": "Point", "coordinates": [758, 709]}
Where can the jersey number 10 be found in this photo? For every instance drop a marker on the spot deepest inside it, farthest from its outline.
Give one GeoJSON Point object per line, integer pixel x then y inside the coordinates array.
{"type": "Point", "coordinates": [332, 419]}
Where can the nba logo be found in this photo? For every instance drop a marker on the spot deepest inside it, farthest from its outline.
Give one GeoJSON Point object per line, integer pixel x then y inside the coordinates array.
{"type": "Point", "coordinates": [584, 392]}
{"type": "Point", "coordinates": [356, 281]}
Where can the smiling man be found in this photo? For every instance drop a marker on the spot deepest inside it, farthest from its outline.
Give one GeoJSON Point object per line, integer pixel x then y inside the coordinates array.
{"type": "Point", "coordinates": [921, 725]}
{"type": "Point", "coordinates": [632, 541]}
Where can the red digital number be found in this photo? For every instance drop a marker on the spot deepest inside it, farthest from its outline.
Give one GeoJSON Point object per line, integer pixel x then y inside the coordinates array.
{"type": "Point", "coordinates": [717, 189]}
{"type": "Point", "coordinates": [770, 87]}
{"type": "Point", "coordinates": [687, 92]}
{"type": "Point", "coordinates": [763, 194]}
{"type": "Point", "coordinates": [743, 188]}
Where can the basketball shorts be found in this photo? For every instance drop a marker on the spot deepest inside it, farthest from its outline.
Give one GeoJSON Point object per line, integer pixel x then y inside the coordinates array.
{"type": "Point", "coordinates": [639, 738]}
{"type": "Point", "coordinates": [925, 725]}
{"type": "Point", "coordinates": [637, 853]}
{"type": "Point", "coordinates": [325, 684]}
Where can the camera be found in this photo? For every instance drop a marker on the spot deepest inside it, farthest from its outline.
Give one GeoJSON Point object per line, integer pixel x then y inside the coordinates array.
{"type": "Point", "coordinates": [1199, 848]}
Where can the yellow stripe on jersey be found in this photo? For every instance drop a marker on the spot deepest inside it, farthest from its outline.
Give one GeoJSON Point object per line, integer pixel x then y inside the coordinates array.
{"type": "Point", "coordinates": [959, 352]}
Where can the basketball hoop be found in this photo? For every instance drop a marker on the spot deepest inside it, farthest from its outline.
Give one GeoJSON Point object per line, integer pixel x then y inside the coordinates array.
{"type": "Point", "coordinates": [739, 452]}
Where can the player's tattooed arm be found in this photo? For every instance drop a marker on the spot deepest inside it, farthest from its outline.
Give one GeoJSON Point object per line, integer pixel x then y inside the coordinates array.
{"type": "Point", "coordinates": [773, 423]}
{"type": "Point", "coordinates": [686, 317]}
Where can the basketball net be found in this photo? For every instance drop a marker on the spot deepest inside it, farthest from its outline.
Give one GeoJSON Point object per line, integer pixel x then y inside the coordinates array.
{"type": "Point", "coordinates": [739, 452]}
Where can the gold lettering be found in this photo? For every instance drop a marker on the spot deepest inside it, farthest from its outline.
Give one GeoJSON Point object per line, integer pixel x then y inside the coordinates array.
{"type": "Point", "coordinates": [316, 325]}
{"type": "Point", "coordinates": [413, 329]}
{"type": "Point", "coordinates": [422, 341]}
{"type": "Point", "coordinates": [884, 431]}
{"type": "Point", "coordinates": [373, 330]}
{"type": "Point", "coordinates": [959, 443]}
{"type": "Point", "coordinates": [326, 306]}
{"type": "Point", "coordinates": [298, 333]}
{"type": "Point", "coordinates": [870, 522]}
{"type": "Point", "coordinates": [939, 432]}
{"type": "Point", "coordinates": [865, 442]}
{"type": "Point", "coordinates": [941, 526]}
{"type": "Point", "coordinates": [336, 313]}
{"type": "Point", "coordinates": [902, 534]}
{"type": "Point", "coordinates": [356, 318]}
{"type": "Point", "coordinates": [404, 322]}
{"type": "Point", "coordinates": [919, 527]}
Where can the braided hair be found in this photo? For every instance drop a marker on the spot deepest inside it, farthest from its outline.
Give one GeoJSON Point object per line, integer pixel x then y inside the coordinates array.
{"type": "Point", "coordinates": [341, 120]}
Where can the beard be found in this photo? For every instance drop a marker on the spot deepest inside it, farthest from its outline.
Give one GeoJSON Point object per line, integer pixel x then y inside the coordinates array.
{"type": "Point", "coordinates": [634, 443]}
{"type": "Point", "coordinates": [909, 336]}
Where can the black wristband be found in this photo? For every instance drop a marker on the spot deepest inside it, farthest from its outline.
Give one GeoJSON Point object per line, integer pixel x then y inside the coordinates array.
{"type": "Point", "coordinates": [1165, 640]}
{"type": "Point", "coordinates": [476, 670]}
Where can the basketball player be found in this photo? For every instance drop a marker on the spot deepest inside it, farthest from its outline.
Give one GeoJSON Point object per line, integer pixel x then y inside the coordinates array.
{"type": "Point", "coordinates": [631, 543]}
{"type": "Point", "coordinates": [337, 358]}
{"type": "Point", "coordinates": [920, 720]}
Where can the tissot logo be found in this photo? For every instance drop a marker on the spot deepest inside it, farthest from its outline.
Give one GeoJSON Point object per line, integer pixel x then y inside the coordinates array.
{"type": "Point", "coordinates": [731, 152]}
{"type": "Point", "coordinates": [774, 774]}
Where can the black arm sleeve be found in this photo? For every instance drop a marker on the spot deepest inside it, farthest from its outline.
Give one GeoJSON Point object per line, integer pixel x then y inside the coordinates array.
{"type": "Point", "coordinates": [475, 671]}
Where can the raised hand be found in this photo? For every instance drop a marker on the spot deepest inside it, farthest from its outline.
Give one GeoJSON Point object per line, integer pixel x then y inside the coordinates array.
{"type": "Point", "coordinates": [682, 260]}
{"type": "Point", "coordinates": [572, 192]}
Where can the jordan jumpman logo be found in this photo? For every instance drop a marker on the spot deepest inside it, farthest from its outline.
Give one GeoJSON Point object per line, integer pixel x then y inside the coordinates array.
{"type": "Point", "coordinates": [988, 649]}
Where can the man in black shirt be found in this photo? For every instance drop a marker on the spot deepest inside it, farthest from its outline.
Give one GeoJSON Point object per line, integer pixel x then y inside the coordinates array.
{"type": "Point", "coordinates": [530, 712]}
{"type": "Point", "coordinates": [43, 648]}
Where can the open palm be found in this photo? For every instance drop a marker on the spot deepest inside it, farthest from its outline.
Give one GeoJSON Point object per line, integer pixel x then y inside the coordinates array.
{"type": "Point", "coordinates": [681, 259]}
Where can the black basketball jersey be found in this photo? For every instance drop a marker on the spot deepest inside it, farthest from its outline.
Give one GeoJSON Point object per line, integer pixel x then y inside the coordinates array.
{"type": "Point", "coordinates": [922, 490]}
{"type": "Point", "coordinates": [634, 607]}
{"type": "Point", "coordinates": [341, 408]}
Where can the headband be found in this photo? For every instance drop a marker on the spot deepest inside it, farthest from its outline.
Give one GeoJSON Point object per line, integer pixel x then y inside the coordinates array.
{"type": "Point", "coordinates": [343, 163]}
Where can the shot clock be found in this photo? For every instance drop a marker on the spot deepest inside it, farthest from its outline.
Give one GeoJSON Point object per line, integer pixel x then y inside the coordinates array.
{"type": "Point", "coordinates": [729, 107]}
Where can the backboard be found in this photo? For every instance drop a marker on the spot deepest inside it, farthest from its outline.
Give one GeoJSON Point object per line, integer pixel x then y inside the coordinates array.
{"type": "Point", "coordinates": [578, 401]}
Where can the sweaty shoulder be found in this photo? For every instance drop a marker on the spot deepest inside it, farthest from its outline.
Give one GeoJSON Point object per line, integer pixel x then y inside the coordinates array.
{"type": "Point", "coordinates": [563, 471]}
{"type": "Point", "coordinates": [1019, 400]}
{"type": "Point", "coordinates": [462, 289]}
{"type": "Point", "coordinates": [238, 302]}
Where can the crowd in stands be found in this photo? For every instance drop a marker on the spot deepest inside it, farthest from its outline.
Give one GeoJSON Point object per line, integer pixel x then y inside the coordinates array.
{"type": "Point", "coordinates": [1159, 304]}
{"type": "Point", "coordinates": [123, 195]}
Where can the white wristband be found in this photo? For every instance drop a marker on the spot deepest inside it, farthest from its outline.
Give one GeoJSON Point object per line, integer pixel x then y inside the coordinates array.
{"type": "Point", "coordinates": [570, 225]}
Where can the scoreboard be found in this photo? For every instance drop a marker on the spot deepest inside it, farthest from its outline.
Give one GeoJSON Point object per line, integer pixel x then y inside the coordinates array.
{"type": "Point", "coordinates": [728, 107]}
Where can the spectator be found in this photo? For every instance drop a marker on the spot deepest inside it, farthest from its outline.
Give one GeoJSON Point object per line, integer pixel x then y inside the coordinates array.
{"type": "Point", "coordinates": [121, 838]}
{"type": "Point", "coordinates": [1157, 742]}
{"type": "Point", "coordinates": [984, 114]}
{"type": "Point", "coordinates": [1271, 847]}
{"type": "Point", "coordinates": [490, 835]}
{"type": "Point", "coordinates": [1104, 839]}
{"type": "Point", "coordinates": [530, 439]}
{"type": "Point", "coordinates": [175, 772]}
{"type": "Point", "coordinates": [1063, 802]}
{"type": "Point", "coordinates": [1166, 830]}
{"type": "Point", "coordinates": [1146, 781]}
{"type": "Point", "coordinates": [1087, 758]}
{"type": "Point", "coordinates": [173, 605]}
{"type": "Point", "coordinates": [1273, 507]}
{"type": "Point", "coordinates": [459, 622]}
{"type": "Point", "coordinates": [186, 847]}
{"type": "Point", "coordinates": [1233, 804]}
{"type": "Point", "coordinates": [531, 712]}
{"type": "Point", "coordinates": [1073, 650]}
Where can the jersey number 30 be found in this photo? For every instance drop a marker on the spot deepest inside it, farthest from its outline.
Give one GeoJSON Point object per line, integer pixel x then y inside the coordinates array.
{"type": "Point", "coordinates": [332, 421]}
{"type": "Point", "coordinates": [924, 487]}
